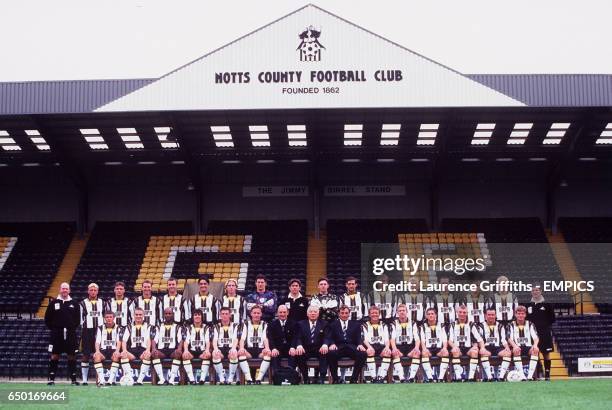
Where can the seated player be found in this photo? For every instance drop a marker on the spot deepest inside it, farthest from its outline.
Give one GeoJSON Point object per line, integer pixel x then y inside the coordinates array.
{"type": "Point", "coordinates": [137, 338]}
{"type": "Point", "coordinates": [225, 346]}
{"type": "Point", "coordinates": [196, 345]}
{"type": "Point", "coordinates": [376, 344]}
{"type": "Point", "coordinates": [495, 343]}
{"type": "Point", "coordinates": [463, 343]}
{"type": "Point", "coordinates": [109, 344]}
{"type": "Point", "coordinates": [309, 342]}
{"type": "Point", "coordinates": [168, 344]}
{"type": "Point", "coordinates": [434, 342]}
{"type": "Point", "coordinates": [254, 344]}
{"type": "Point", "coordinates": [524, 342]}
{"type": "Point", "coordinates": [234, 302]}
{"type": "Point", "coordinates": [405, 342]}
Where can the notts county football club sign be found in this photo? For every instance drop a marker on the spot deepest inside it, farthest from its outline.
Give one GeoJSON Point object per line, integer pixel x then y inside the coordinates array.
{"type": "Point", "coordinates": [309, 50]}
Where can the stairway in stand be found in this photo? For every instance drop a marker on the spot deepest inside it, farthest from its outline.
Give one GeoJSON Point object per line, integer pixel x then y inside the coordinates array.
{"type": "Point", "coordinates": [316, 266]}
{"type": "Point", "coordinates": [66, 269]}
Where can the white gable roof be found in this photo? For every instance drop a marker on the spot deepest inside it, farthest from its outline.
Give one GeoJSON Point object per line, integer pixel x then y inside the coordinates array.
{"type": "Point", "coordinates": [219, 79]}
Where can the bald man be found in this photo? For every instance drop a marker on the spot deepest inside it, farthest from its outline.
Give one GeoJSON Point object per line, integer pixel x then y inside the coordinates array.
{"type": "Point", "coordinates": [280, 337]}
{"type": "Point", "coordinates": [62, 319]}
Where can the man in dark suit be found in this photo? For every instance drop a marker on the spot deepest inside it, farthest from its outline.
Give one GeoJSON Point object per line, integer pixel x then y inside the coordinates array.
{"type": "Point", "coordinates": [280, 338]}
{"type": "Point", "coordinates": [309, 342]}
{"type": "Point", "coordinates": [344, 340]}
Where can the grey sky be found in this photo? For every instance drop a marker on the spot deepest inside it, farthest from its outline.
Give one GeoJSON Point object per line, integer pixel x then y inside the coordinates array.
{"type": "Point", "coordinates": [84, 39]}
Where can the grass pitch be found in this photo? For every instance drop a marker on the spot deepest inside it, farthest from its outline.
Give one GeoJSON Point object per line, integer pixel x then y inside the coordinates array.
{"type": "Point", "coordinates": [566, 394]}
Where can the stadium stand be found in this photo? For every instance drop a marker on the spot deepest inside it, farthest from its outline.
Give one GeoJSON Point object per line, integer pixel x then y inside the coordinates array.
{"type": "Point", "coordinates": [589, 242]}
{"type": "Point", "coordinates": [33, 262]}
{"type": "Point", "coordinates": [24, 343]}
{"type": "Point", "coordinates": [279, 250]}
{"type": "Point", "coordinates": [115, 251]}
{"type": "Point", "coordinates": [515, 251]}
{"type": "Point", "coordinates": [344, 238]}
{"type": "Point", "coordinates": [583, 336]}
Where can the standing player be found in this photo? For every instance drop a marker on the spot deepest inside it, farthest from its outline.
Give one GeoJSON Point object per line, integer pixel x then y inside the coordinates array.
{"type": "Point", "coordinates": [353, 299]}
{"type": "Point", "coordinates": [327, 303]}
{"type": "Point", "coordinates": [138, 339]}
{"type": "Point", "coordinates": [434, 342]}
{"type": "Point", "coordinates": [384, 301]}
{"type": "Point", "coordinates": [197, 345]}
{"type": "Point", "coordinates": [542, 315]}
{"type": "Point", "coordinates": [168, 344]}
{"type": "Point", "coordinates": [444, 303]}
{"type": "Point", "coordinates": [405, 342]}
{"type": "Point", "coordinates": [225, 346]}
{"type": "Point", "coordinates": [524, 341]}
{"type": "Point", "coordinates": [120, 305]}
{"type": "Point", "coordinates": [109, 344]}
{"type": "Point", "coordinates": [476, 304]}
{"type": "Point", "coordinates": [463, 343]}
{"type": "Point", "coordinates": [91, 319]}
{"type": "Point", "coordinates": [151, 305]}
{"type": "Point", "coordinates": [234, 302]}
{"type": "Point", "coordinates": [504, 302]}
{"type": "Point", "coordinates": [263, 298]}
{"type": "Point", "coordinates": [254, 344]}
{"type": "Point", "coordinates": [62, 319]}
{"type": "Point", "coordinates": [295, 302]}
{"type": "Point", "coordinates": [376, 344]}
{"type": "Point", "coordinates": [205, 302]}
{"type": "Point", "coordinates": [174, 301]}
{"type": "Point", "coordinates": [495, 343]}
{"type": "Point", "coordinates": [415, 302]}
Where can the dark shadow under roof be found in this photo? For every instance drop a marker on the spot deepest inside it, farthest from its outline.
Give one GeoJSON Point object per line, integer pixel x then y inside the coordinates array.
{"type": "Point", "coordinates": [84, 96]}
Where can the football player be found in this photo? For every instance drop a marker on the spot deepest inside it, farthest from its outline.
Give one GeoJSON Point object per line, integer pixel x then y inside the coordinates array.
{"type": "Point", "coordinates": [494, 343]}
{"type": "Point", "coordinates": [376, 344]}
{"type": "Point", "coordinates": [174, 301]}
{"type": "Point", "coordinates": [434, 342]}
{"type": "Point", "coordinates": [108, 346]}
{"type": "Point", "coordinates": [234, 302]}
{"type": "Point", "coordinates": [168, 344]}
{"type": "Point", "coordinates": [150, 304]}
{"type": "Point", "coordinates": [91, 320]}
{"type": "Point", "coordinates": [405, 342]}
{"type": "Point", "coordinates": [225, 346]}
{"type": "Point", "coordinates": [205, 302]}
{"type": "Point", "coordinates": [254, 343]}
{"type": "Point", "coordinates": [353, 299]}
{"type": "Point", "coordinates": [463, 343]}
{"type": "Point", "coordinates": [524, 342]}
{"type": "Point", "coordinates": [196, 345]}
{"type": "Point", "coordinates": [137, 338]}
